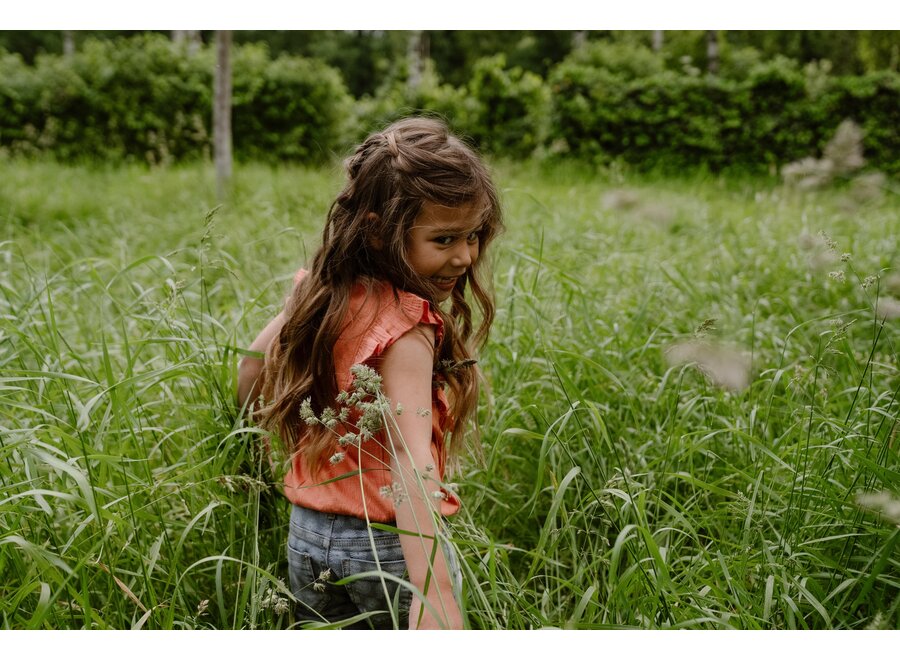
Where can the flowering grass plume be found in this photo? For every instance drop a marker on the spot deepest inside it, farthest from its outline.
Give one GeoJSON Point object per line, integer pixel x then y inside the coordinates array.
{"type": "Point", "coordinates": [363, 401]}
{"type": "Point", "coordinates": [621, 199]}
{"type": "Point", "coordinates": [626, 199]}
{"type": "Point", "coordinates": [892, 284]}
{"type": "Point", "coordinates": [844, 151]}
{"type": "Point", "coordinates": [808, 173]}
{"type": "Point", "coordinates": [842, 155]}
{"type": "Point", "coordinates": [724, 366]}
{"type": "Point", "coordinates": [883, 503]}
{"type": "Point", "coordinates": [868, 186]}
{"type": "Point", "coordinates": [821, 251]}
{"type": "Point", "coordinates": [888, 308]}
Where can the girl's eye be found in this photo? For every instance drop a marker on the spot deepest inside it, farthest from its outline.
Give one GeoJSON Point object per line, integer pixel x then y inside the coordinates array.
{"type": "Point", "coordinates": [473, 237]}
{"type": "Point", "coordinates": [444, 240]}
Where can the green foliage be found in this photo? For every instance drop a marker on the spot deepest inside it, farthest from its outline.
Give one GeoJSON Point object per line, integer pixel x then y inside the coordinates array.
{"type": "Point", "coordinates": [287, 109]}
{"type": "Point", "coordinates": [396, 99]}
{"type": "Point", "coordinates": [873, 102]}
{"type": "Point", "coordinates": [146, 99]}
{"type": "Point", "coordinates": [503, 110]}
{"type": "Point", "coordinates": [512, 106]}
{"type": "Point", "coordinates": [774, 114]}
{"type": "Point", "coordinates": [625, 60]}
{"type": "Point", "coordinates": [364, 57]}
{"type": "Point", "coordinates": [456, 52]}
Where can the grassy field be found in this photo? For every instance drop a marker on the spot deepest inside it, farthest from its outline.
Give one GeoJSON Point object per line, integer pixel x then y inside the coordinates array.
{"type": "Point", "coordinates": [692, 418]}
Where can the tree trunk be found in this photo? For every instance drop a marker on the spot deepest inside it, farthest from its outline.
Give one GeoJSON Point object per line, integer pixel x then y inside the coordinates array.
{"type": "Point", "coordinates": [68, 43]}
{"type": "Point", "coordinates": [222, 112]}
{"type": "Point", "coordinates": [712, 51]}
{"type": "Point", "coordinates": [579, 39]}
{"type": "Point", "coordinates": [191, 38]}
{"type": "Point", "coordinates": [657, 40]}
{"type": "Point", "coordinates": [415, 52]}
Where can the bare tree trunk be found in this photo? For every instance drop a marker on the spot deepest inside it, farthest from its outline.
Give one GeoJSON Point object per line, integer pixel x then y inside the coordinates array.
{"type": "Point", "coordinates": [415, 48]}
{"type": "Point", "coordinates": [194, 41]}
{"type": "Point", "coordinates": [657, 40]}
{"type": "Point", "coordinates": [190, 37]}
{"type": "Point", "coordinates": [579, 39]}
{"type": "Point", "coordinates": [68, 43]}
{"type": "Point", "coordinates": [712, 51]}
{"type": "Point", "coordinates": [222, 112]}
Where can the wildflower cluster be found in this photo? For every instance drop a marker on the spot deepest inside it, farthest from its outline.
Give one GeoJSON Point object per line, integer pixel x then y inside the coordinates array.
{"type": "Point", "coordinates": [271, 600]}
{"type": "Point", "coordinates": [364, 403]}
{"type": "Point", "coordinates": [322, 581]}
{"type": "Point", "coordinates": [821, 250]}
{"type": "Point", "coordinates": [395, 492]}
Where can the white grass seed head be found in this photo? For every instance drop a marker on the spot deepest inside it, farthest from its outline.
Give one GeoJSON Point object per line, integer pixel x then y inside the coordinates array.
{"type": "Point", "coordinates": [883, 503]}
{"type": "Point", "coordinates": [621, 199]}
{"type": "Point", "coordinates": [888, 308]}
{"type": "Point", "coordinates": [725, 366]}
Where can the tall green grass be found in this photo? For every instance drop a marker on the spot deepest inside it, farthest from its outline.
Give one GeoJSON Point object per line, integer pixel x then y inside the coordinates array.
{"type": "Point", "coordinates": [617, 489]}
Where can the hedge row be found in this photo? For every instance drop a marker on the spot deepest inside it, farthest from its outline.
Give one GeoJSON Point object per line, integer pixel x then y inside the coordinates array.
{"type": "Point", "coordinates": [676, 121]}
{"type": "Point", "coordinates": [145, 98]}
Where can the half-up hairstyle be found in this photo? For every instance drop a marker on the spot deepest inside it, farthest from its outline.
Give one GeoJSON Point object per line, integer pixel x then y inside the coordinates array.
{"type": "Point", "coordinates": [389, 178]}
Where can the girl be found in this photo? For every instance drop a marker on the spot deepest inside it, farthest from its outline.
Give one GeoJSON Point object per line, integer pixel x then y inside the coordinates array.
{"type": "Point", "coordinates": [403, 242]}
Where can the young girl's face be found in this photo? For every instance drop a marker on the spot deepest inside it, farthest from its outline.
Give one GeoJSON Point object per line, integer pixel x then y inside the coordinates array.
{"type": "Point", "coordinates": [443, 244]}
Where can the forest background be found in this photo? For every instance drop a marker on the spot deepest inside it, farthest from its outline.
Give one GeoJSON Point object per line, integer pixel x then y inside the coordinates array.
{"type": "Point", "coordinates": [746, 100]}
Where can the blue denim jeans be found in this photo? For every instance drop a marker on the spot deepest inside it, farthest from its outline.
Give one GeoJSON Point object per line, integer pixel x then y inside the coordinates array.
{"type": "Point", "coordinates": [326, 547]}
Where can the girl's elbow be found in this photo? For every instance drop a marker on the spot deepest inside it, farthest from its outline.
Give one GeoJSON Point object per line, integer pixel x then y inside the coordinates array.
{"type": "Point", "coordinates": [249, 372]}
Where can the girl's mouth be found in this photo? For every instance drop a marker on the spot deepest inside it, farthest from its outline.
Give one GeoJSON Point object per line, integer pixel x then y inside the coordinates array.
{"type": "Point", "coordinates": [446, 283]}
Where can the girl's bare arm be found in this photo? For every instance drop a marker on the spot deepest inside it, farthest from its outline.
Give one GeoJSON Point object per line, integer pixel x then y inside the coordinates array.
{"type": "Point", "coordinates": [406, 380]}
{"type": "Point", "coordinates": [250, 368]}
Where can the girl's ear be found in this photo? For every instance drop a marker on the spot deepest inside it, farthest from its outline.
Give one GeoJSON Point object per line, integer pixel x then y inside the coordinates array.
{"type": "Point", "coordinates": [375, 241]}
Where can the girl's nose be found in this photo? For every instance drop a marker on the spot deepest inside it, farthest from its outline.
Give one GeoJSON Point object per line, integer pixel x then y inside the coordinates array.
{"type": "Point", "coordinates": [463, 257]}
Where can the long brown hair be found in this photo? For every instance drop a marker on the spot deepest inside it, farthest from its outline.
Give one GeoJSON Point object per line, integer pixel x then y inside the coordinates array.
{"type": "Point", "coordinates": [389, 178]}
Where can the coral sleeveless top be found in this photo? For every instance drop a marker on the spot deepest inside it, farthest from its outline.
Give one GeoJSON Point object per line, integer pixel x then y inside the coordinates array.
{"type": "Point", "coordinates": [360, 484]}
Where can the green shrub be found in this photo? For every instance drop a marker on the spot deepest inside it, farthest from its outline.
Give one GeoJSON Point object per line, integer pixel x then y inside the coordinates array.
{"type": "Point", "coordinates": [503, 110]}
{"type": "Point", "coordinates": [290, 108]}
{"type": "Point", "coordinates": [18, 89]}
{"type": "Point", "coordinates": [146, 99]}
{"type": "Point", "coordinates": [873, 102]}
{"type": "Point", "coordinates": [512, 107]}
{"type": "Point", "coordinates": [395, 99]}
{"type": "Point", "coordinates": [673, 120]}
{"type": "Point", "coordinates": [622, 60]}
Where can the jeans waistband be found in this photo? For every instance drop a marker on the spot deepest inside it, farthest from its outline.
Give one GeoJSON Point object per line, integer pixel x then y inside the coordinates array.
{"type": "Point", "coordinates": [336, 530]}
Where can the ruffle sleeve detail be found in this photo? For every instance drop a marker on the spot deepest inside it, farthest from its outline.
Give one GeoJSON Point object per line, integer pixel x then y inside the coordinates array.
{"type": "Point", "coordinates": [378, 316]}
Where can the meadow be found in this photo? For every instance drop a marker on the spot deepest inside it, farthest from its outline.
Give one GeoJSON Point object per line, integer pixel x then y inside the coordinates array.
{"type": "Point", "coordinates": [691, 420]}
